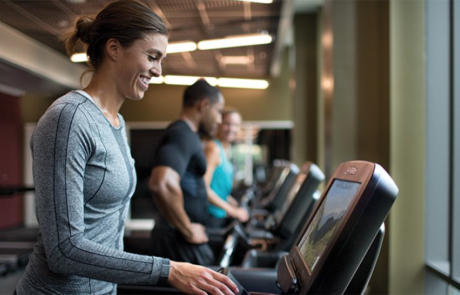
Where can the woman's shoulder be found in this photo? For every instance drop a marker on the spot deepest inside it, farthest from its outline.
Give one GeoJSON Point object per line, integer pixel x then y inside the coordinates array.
{"type": "Point", "coordinates": [66, 104]}
{"type": "Point", "coordinates": [72, 98]}
{"type": "Point", "coordinates": [65, 109]}
{"type": "Point", "coordinates": [211, 149]}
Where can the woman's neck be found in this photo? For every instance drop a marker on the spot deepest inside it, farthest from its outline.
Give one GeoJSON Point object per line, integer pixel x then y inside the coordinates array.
{"type": "Point", "coordinates": [106, 98]}
{"type": "Point", "coordinates": [224, 143]}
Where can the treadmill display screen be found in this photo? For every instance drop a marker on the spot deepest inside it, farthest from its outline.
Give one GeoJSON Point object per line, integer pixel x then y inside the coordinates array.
{"type": "Point", "coordinates": [322, 229]}
{"type": "Point", "coordinates": [291, 195]}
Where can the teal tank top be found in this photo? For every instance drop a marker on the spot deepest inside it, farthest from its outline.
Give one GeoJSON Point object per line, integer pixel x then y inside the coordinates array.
{"type": "Point", "coordinates": [222, 181]}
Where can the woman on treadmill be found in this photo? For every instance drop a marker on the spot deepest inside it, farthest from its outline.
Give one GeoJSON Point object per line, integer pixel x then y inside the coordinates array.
{"type": "Point", "coordinates": [219, 171]}
{"type": "Point", "coordinates": [84, 174]}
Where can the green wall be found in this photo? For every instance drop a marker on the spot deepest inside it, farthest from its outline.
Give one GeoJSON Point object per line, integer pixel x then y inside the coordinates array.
{"type": "Point", "coordinates": [33, 105]}
{"type": "Point", "coordinates": [359, 120]}
{"type": "Point", "coordinates": [407, 154]}
{"type": "Point", "coordinates": [342, 129]}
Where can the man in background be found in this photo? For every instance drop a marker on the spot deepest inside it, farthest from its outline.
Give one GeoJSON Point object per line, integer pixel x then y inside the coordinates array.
{"type": "Point", "coordinates": [177, 179]}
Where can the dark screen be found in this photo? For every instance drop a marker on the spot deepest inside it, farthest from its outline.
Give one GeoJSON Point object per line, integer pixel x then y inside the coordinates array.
{"type": "Point", "coordinates": [143, 145]}
{"type": "Point", "coordinates": [291, 195]}
{"type": "Point", "coordinates": [326, 221]}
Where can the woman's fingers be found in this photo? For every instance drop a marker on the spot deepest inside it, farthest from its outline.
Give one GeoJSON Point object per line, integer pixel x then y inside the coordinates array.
{"type": "Point", "coordinates": [217, 284]}
{"type": "Point", "coordinates": [223, 279]}
{"type": "Point", "coordinates": [195, 279]}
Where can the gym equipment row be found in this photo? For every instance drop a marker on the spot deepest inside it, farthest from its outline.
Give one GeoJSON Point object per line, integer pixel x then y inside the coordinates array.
{"type": "Point", "coordinates": [335, 251]}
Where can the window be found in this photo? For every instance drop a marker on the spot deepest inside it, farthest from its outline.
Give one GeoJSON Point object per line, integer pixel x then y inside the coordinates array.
{"type": "Point", "coordinates": [442, 230]}
{"type": "Point", "coordinates": [456, 146]}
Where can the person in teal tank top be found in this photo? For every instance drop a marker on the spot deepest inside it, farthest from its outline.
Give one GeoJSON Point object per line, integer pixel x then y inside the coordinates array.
{"type": "Point", "coordinates": [222, 181]}
{"type": "Point", "coordinates": [219, 172]}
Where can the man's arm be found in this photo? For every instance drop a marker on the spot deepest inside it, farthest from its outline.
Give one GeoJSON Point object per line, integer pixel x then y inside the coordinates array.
{"type": "Point", "coordinates": [164, 182]}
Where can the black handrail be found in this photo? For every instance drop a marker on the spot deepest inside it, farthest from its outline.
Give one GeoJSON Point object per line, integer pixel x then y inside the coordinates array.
{"type": "Point", "coordinates": [8, 191]}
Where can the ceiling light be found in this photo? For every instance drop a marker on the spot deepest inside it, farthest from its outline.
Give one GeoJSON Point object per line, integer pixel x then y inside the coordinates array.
{"type": "Point", "coordinates": [185, 46]}
{"type": "Point", "coordinates": [157, 80]}
{"type": "Point", "coordinates": [235, 41]}
{"type": "Point", "coordinates": [221, 82]}
{"type": "Point", "coordinates": [236, 60]}
{"type": "Point", "coordinates": [79, 57]}
{"type": "Point", "coordinates": [258, 1]}
{"type": "Point", "coordinates": [242, 83]}
{"type": "Point", "coordinates": [187, 80]}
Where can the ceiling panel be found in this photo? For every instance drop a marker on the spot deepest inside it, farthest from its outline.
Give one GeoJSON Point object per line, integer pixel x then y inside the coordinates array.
{"type": "Point", "coordinates": [48, 21]}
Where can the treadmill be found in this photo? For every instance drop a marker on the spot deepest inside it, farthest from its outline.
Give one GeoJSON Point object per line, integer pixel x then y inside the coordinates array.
{"type": "Point", "coordinates": [279, 229]}
{"type": "Point", "coordinates": [337, 249]}
{"type": "Point", "coordinates": [16, 243]}
{"type": "Point", "coordinates": [276, 196]}
{"type": "Point", "coordinates": [259, 206]}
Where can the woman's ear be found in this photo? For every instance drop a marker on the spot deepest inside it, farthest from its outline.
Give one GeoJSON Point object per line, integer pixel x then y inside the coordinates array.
{"type": "Point", "coordinates": [112, 49]}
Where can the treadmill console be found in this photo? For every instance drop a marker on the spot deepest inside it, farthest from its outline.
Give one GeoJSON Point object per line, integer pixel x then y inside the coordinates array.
{"type": "Point", "coordinates": [340, 231]}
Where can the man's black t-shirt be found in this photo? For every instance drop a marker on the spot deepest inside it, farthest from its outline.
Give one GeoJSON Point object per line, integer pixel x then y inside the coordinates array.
{"type": "Point", "coordinates": [181, 149]}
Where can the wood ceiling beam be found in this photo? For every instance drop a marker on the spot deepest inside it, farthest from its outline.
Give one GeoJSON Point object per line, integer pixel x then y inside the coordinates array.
{"type": "Point", "coordinates": [30, 55]}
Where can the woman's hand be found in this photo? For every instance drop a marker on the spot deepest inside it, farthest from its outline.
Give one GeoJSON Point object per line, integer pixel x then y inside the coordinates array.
{"type": "Point", "coordinates": [195, 279]}
{"type": "Point", "coordinates": [232, 201]}
{"type": "Point", "coordinates": [239, 213]}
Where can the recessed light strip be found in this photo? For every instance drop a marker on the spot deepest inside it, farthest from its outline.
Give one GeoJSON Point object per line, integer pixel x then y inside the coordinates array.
{"type": "Point", "coordinates": [157, 80]}
{"type": "Point", "coordinates": [221, 82]}
{"type": "Point", "coordinates": [235, 41]}
{"type": "Point", "coordinates": [186, 80]}
{"type": "Point", "coordinates": [79, 57]}
{"type": "Point", "coordinates": [236, 60]}
{"type": "Point", "coordinates": [185, 46]}
{"type": "Point", "coordinates": [242, 83]}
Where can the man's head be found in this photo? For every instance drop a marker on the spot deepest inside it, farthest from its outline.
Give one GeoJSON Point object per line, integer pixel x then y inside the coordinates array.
{"type": "Point", "coordinates": [207, 102]}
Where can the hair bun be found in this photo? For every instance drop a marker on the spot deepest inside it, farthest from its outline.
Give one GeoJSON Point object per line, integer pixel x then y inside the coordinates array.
{"type": "Point", "coordinates": [84, 25]}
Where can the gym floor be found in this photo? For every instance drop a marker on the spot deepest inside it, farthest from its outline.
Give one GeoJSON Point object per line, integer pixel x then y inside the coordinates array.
{"type": "Point", "coordinates": [8, 282]}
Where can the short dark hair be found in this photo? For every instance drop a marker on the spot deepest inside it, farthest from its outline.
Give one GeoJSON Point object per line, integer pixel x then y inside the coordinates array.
{"type": "Point", "coordinates": [198, 91]}
{"type": "Point", "coordinates": [124, 20]}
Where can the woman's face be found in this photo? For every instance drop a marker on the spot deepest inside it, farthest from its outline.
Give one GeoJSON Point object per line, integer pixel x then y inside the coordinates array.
{"type": "Point", "coordinates": [139, 63]}
{"type": "Point", "coordinates": [229, 128]}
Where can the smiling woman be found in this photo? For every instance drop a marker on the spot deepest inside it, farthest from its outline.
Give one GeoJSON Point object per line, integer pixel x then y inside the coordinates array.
{"type": "Point", "coordinates": [136, 65]}
{"type": "Point", "coordinates": [84, 174]}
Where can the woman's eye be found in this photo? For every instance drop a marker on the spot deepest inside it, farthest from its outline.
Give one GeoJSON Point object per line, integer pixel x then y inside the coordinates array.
{"type": "Point", "coordinates": [152, 58]}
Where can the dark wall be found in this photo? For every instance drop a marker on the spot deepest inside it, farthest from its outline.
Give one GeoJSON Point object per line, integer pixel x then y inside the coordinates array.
{"type": "Point", "coordinates": [306, 88]}
{"type": "Point", "coordinates": [11, 213]}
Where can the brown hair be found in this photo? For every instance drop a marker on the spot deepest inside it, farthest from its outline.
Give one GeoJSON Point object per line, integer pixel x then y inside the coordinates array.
{"type": "Point", "coordinates": [228, 111]}
{"type": "Point", "coordinates": [124, 20]}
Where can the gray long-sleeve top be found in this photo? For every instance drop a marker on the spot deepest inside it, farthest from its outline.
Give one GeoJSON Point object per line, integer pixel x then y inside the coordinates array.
{"type": "Point", "coordinates": [84, 178]}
